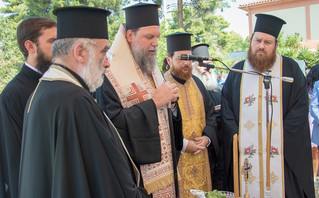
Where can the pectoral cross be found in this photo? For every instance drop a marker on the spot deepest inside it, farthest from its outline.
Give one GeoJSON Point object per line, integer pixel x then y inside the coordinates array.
{"type": "Point", "coordinates": [247, 170]}
{"type": "Point", "coordinates": [247, 167]}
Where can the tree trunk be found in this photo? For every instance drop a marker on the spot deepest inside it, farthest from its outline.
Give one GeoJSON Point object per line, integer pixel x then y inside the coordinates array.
{"type": "Point", "coordinates": [180, 13]}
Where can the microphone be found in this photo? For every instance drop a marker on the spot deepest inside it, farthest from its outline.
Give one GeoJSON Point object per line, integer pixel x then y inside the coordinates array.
{"type": "Point", "coordinates": [196, 58]}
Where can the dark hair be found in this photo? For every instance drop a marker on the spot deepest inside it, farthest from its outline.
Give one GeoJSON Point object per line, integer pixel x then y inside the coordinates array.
{"type": "Point", "coordinates": [312, 76]}
{"type": "Point", "coordinates": [170, 54]}
{"type": "Point", "coordinates": [134, 30]}
{"type": "Point", "coordinates": [165, 66]}
{"type": "Point", "coordinates": [31, 29]}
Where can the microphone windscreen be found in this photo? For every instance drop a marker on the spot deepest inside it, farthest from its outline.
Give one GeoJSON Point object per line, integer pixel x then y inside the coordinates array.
{"type": "Point", "coordinates": [184, 57]}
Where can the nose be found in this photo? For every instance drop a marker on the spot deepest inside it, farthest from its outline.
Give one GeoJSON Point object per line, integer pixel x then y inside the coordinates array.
{"type": "Point", "coordinates": [155, 42]}
{"type": "Point", "coordinates": [261, 45]}
{"type": "Point", "coordinates": [106, 63]}
{"type": "Point", "coordinates": [187, 63]}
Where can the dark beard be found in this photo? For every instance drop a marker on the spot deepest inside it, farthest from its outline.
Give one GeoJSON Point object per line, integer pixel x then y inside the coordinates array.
{"type": "Point", "coordinates": [261, 64]}
{"type": "Point", "coordinates": [146, 64]}
{"type": "Point", "coordinates": [180, 74]}
{"type": "Point", "coordinates": [43, 63]}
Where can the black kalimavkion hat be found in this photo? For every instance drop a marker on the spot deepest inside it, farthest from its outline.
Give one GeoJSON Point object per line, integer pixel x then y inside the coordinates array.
{"type": "Point", "coordinates": [141, 15]}
{"type": "Point", "coordinates": [269, 24]}
{"type": "Point", "coordinates": [81, 22]}
{"type": "Point", "coordinates": [178, 41]}
{"type": "Point", "coordinates": [200, 50]}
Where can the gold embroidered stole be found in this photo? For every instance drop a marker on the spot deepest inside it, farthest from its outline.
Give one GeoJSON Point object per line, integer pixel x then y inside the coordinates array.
{"type": "Point", "coordinates": [55, 73]}
{"type": "Point", "coordinates": [134, 87]}
{"type": "Point", "coordinates": [253, 134]}
{"type": "Point", "coordinates": [195, 169]}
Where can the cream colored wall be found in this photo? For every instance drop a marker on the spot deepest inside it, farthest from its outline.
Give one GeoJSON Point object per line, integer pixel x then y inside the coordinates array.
{"type": "Point", "coordinates": [295, 19]}
{"type": "Point", "coordinates": [314, 17]}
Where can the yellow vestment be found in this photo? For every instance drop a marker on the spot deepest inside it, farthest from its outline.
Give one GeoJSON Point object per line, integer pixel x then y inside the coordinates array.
{"type": "Point", "coordinates": [194, 169]}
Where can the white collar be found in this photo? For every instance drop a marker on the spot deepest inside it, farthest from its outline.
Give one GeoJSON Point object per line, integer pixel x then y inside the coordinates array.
{"type": "Point", "coordinates": [33, 68]}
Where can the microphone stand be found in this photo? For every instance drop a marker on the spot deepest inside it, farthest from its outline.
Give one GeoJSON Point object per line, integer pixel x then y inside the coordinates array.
{"type": "Point", "coordinates": [267, 83]}
{"type": "Point", "coordinates": [212, 66]}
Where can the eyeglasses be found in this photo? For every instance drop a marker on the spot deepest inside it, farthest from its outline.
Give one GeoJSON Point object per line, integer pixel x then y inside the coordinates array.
{"type": "Point", "coordinates": [109, 55]}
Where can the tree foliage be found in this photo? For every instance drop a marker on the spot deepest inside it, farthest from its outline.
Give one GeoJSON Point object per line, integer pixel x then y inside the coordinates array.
{"type": "Point", "coordinates": [15, 11]}
{"type": "Point", "coordinates": [201, 20]}
{"type": "Point", "coordinates": [199, 16]}
{"type": "Point", "coordinates": [291, 46]}
{"type": "Point", "coordinates": [10, 57]}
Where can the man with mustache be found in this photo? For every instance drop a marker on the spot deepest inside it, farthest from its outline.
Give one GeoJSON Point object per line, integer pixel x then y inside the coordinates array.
{"type": "Point", "coordinates": [198, 117]}
{"type": "Point", "coordinates": [35, 36]}
{"type": "Point", "coordinates": [70, 148]}
{"type": "Point", "coordinates": [244, 113]}
{"type": "Point", "coordinates": [136, 98]}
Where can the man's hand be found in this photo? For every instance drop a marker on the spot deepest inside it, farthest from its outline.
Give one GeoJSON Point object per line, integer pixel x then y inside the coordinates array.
{"type": "Point", "coordinates": [193, 147]}
{"type": "Point", "coordinates": [202, 141]}
{"type": "Point", "coordinates": [165, 93]}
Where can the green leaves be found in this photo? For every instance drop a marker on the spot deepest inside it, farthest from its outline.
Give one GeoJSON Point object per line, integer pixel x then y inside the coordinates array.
{"type": "Point", "coordinates": [199, 16]}
{"type": "Point", "coordinates": [311, 58]}
{"type": "Point", "coordinates": [11, 59]}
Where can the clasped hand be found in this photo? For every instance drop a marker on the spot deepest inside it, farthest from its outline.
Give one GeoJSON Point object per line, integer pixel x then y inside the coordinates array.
{"type": "Point", "coordinates": [198, 145]}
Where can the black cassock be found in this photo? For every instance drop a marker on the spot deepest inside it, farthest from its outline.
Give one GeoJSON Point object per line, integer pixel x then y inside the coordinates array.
{"type": "Point", "coordinates": [216, 96]}
{"type": "Point", "coordinates": [297, 147]}
{"type": "Point", "coordinates": [138, 126]}
{"type": "Point", "coordinates": [69, 148]}
{"type": "Point", "coordinates": [12, 103]}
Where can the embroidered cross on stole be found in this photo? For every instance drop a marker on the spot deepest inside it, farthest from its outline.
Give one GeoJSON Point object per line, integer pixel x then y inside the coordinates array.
{"type": "Point", "coordinates": [158, 178]}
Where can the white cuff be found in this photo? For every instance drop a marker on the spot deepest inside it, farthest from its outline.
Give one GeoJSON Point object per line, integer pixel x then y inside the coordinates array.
{"type": "Point", "coordinates": [185, 142]}
{"type": "Point", "coordinates": [209, 141]}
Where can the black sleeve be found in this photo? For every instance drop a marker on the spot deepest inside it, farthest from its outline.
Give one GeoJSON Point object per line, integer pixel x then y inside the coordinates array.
{"type": "Point", "coordinates": [137, 125]}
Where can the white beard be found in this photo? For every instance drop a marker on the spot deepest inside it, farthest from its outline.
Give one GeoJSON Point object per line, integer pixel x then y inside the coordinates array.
{"type": "Point", "coordinates": [93, 73]}
{"type": "Point", "coordinates": [209, 80]}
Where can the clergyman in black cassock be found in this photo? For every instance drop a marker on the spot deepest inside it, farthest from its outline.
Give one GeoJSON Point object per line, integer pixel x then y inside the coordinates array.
{"type": "Point", "coordinates": [13, 100]}
{"type": "Point", "coordinates": [153, 137]}
{"type": "Point", "coordinates": [69, 147]}
{"type": "Point", "coordinates": [297, 162]}
{"type": "Point", "coordinates": [15, 96]}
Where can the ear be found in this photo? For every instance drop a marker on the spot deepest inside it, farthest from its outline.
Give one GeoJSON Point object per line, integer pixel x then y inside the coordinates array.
{"type": "Point", "coordinates": [80, 53]}
{"type": "Point", "coordinates": [169, 60]}
{"type": "Point", "coordinates": [276, 46]}
{"type": "Point", "coordinates": [129, 36]}
{"type": "Point", "coordinates": [196, 64]}
{"type": "Point", "coordinates": [30, 46]}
